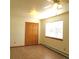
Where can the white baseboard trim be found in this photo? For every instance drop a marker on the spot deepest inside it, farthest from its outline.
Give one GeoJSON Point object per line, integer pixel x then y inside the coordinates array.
{"type": "Point", "coordinates": [56, 50]}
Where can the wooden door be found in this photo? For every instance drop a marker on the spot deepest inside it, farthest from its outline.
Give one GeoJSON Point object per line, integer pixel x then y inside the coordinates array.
{"type": "Point", "coordinates": [31, 33]}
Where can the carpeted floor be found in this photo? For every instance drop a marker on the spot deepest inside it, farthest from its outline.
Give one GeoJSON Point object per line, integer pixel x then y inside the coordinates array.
{"type": "Point", "coordinates": [34, 52]}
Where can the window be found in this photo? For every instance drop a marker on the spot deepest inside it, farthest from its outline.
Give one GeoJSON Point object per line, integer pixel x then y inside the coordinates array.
{"type": "Point", "coordinates": [54, 29]}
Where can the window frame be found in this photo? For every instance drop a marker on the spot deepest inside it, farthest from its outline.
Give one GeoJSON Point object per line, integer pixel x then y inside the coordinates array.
{"type": "Point", "coordinates": [54, 37]}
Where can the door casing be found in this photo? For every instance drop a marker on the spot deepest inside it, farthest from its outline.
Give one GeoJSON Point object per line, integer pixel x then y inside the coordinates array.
{"type": "Point", "coordinates": [31, 33]}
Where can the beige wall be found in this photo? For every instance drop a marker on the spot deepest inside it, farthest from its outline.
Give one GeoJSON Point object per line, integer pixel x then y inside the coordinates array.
{"type": "Point", "coordinates": [18, 17]}
{"type": "Point", "coordinates": [57, 44]}
{"type": "Point", "coordinates": [17, 30]}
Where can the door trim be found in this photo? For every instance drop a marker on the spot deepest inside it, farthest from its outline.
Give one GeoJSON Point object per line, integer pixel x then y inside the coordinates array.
{"type": "Point", "coordinates": [25, 33]}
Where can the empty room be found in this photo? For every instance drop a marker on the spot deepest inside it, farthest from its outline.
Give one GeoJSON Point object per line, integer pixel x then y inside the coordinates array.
{"type": "Point", "coordinates": [39, 29]}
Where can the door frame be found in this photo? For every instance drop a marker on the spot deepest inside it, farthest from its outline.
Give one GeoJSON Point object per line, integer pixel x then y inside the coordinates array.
{"type": "Point", "coordinates": [37, 33]}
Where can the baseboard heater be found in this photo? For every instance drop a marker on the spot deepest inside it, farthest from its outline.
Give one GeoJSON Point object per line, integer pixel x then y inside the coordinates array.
{"type": "Point", "coordinates": [56, 50]}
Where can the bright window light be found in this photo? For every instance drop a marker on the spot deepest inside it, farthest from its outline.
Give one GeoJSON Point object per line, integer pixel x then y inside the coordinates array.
{"type": "Point", "coordinates": [54, 30]}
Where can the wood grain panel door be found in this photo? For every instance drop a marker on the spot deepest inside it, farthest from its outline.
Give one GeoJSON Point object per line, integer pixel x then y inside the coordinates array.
{"type": "Point", "coordinates": [31, 33]}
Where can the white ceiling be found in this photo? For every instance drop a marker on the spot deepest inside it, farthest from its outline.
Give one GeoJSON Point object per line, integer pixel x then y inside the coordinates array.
{"type": "Point", "coordinates": [24, 7]}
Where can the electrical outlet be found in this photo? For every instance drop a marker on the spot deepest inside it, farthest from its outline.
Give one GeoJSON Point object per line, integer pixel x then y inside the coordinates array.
{"type": "Point", "coordinates": [64, 49]}
{"type": "Point", "coordinates": [14, 42]}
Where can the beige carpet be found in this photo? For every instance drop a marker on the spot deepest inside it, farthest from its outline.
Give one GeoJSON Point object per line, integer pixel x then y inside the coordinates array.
{"type": "Point", "coordinates": [34, 52]}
